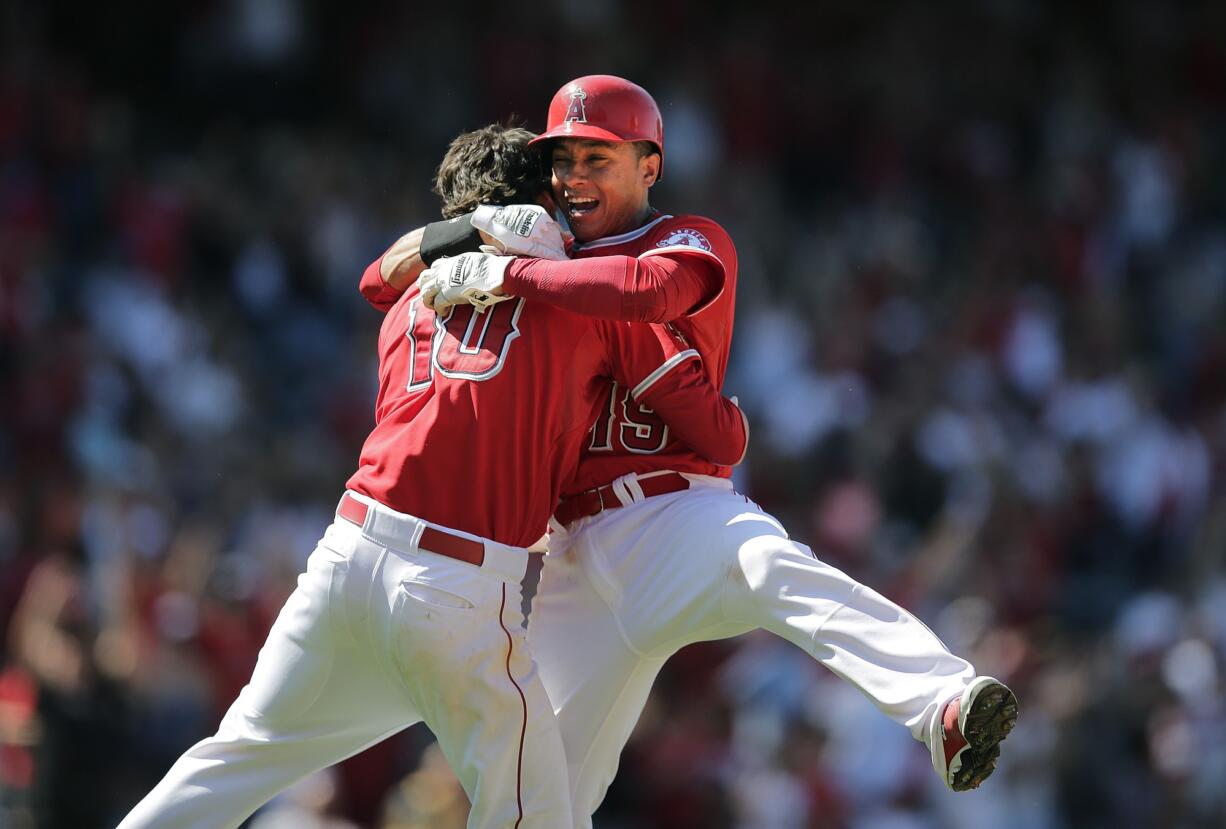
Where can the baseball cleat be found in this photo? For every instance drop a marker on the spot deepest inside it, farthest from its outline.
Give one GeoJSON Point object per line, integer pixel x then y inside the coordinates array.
{"type": "Point", "coordinates": [973, 724]}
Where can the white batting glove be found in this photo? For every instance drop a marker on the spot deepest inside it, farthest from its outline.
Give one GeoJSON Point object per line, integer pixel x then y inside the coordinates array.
{"type": "Point", "coordinates": [521, 229]}
{"type": "Point", "coordinates": [470, 278]}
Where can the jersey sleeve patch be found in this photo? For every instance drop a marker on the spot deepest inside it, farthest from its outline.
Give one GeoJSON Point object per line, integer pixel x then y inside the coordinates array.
{"type": "Point", "coordinates": [685, 237]}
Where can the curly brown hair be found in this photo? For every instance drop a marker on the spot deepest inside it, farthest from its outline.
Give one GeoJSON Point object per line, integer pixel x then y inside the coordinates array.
{"type": "Point", "coordinates": [492, 165]}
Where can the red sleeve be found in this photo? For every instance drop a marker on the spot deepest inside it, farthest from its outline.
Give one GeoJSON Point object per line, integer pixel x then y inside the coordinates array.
{"type": "Point", "coordinates": [657, 288]}
{"type": "Point", "coordinates": [377, 292]}
{"type": "Point", "coordinates": [663, 373]}
{"type": "Point", "coordinates": [698, 238]}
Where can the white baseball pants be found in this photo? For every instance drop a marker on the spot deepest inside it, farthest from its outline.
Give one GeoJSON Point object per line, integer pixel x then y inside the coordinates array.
{"type": "Point", "coordinates": [624, 590]}
{"type": "Point", "coordinates": [379, 635]}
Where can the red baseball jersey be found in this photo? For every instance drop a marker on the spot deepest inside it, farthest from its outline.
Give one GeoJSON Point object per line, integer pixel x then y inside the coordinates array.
{"type": "Point", "coordinates": [628, 436]}
{"type": "Point", "coordinates": [480, 417]}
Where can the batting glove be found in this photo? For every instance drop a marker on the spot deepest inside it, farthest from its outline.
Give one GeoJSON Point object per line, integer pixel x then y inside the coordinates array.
{"type": "Point", "coordinates": [521, 229]}
{"type": "Point", "coordinates": [470, 278]}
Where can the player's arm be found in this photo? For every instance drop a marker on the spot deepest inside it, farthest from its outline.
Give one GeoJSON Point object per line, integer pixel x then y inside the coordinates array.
{"type": "Point", "coordinates": [700, 417]}
{"type": "Point", "coordinates": [657, 288]}
{"type": "Point", "coordinates": [387, 278]}
{"type": "Point", "coordinates": [666, 376]}
{"type": "Point", "coordinates": [680, 274]}
{"type": "Point", "coordinates": [516, 229]}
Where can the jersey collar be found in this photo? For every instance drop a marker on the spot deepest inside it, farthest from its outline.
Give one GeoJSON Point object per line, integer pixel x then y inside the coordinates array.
{"type": "Point", "coordinates": [622, 238]}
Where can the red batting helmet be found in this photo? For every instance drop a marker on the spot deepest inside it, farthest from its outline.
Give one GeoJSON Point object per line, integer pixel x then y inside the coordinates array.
{"type": "Point", "coordinates": [604, 108]}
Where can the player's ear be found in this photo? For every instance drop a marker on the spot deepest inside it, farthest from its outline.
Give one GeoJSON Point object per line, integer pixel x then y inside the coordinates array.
{"type": "Point", "coordinates": [649, 168]}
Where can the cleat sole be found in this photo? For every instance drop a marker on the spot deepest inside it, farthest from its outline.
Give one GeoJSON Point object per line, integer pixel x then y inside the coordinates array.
{"type": "Point", "coordinates": [992, 716]}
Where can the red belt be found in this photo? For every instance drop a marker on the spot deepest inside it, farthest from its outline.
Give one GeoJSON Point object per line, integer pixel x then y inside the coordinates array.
{"type": "Point", "coordinates": [432, 539]}
{"type": "Point", "coordinates": [598, 500]}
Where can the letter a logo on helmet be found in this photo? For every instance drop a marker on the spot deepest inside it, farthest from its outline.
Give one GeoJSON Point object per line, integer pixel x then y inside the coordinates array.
{"type": "Point", "coordinates": [575, 112]}
{"type": "Point", "coordinates": [604, 108]}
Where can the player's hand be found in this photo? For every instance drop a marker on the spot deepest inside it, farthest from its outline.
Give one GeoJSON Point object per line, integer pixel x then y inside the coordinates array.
{"type": "Point", "coordinates": [522, 230]}
{"type": "Point", "coordinates": [470, 278]}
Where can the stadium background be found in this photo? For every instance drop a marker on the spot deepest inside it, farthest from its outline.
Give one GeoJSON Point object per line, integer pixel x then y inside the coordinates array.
{"type": "Point", "coordinates": [981, 337]}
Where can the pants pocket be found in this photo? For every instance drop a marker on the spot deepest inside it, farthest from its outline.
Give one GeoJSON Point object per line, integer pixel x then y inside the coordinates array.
{"type": "Point", "coordinates": [439, 616]}
{"type": "Point", "coordinates": [435, 596]}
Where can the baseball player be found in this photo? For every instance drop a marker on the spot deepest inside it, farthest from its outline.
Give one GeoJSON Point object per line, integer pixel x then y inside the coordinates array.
{"type": "Point", "coordinates": [653, 549]}
{"type": "Point", "coordinates": [409, 607]}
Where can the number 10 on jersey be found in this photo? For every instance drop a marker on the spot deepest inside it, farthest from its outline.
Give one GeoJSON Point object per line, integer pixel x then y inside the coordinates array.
{"type": "Point", "coordinates": [461, 342]}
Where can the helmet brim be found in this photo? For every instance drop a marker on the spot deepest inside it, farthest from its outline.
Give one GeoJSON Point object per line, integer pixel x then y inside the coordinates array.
{"type": "Point", "coordinates": [572, 129]}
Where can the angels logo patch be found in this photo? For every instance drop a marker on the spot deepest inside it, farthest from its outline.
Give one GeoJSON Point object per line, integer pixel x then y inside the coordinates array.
{"type": "Point", "coordinates": [576, 112]}
{"type": "Point", "coordinates": [685, 237]}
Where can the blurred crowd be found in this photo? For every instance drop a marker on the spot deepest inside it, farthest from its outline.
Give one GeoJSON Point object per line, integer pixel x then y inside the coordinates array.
{"type": "Point", "coordinates": [981, 337]}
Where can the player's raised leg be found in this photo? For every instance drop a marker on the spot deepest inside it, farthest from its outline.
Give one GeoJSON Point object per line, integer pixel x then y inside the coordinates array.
{"type": "Point", "coordinates": [853, 630]}
{"type": "Point", "coordinates": [707, 564]}
{"type": "Point", "coordinates": [868, 640]}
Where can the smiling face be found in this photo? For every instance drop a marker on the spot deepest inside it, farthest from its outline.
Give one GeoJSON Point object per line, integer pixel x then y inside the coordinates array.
{"type": "Point", "coordinates": [602, 186]}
